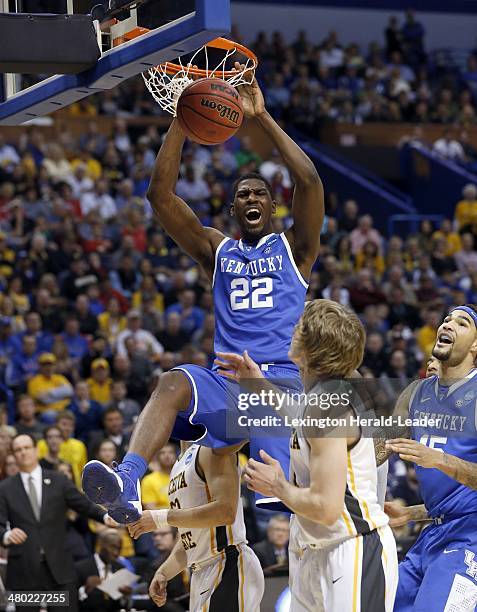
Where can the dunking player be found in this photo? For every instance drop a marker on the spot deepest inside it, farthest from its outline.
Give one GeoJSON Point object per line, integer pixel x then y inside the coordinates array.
{"type": "Point", "coordinates": [205, 504]}
{"type": "Point", "coordinates": [348, 561]}
{"type": "Point", "coordinates": [440, 570]}
{"type": "Point", "coordinates": [259, 285]}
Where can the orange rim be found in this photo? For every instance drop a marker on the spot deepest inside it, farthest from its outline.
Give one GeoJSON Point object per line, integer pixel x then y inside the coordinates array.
{"type": "Point", "coordinates": [218, 43]}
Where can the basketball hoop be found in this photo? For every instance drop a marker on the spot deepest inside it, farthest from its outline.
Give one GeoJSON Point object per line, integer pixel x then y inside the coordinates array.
{"type": "Point", "coordinates": [167, 81]}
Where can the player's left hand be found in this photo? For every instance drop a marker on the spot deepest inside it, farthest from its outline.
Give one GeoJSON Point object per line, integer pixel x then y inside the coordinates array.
{"type": "Point", "coordinates": [410, 450]}
{"type": "Point", "coordinates": [237, 367]}
{"type": "Point", "coordinates": [158, 589]}
{"type": "Point", "coordinates": [144, 525]}
{"type": "Point", "coordinates": [252, 96]}
{"type": "Point", "coordinates": [265, 478]}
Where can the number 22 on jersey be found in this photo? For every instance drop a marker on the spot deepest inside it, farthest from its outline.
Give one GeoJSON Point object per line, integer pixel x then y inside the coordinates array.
{"type": "Point", "coordinates": [255, 293]}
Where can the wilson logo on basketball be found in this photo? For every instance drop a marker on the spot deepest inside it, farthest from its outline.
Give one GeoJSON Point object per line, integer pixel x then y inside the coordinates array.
{"type": "Point", "coordinates": [222, 109]}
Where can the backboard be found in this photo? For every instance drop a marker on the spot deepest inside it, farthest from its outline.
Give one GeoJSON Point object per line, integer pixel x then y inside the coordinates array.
{"type": "Point", "coordinates": [148, 33]}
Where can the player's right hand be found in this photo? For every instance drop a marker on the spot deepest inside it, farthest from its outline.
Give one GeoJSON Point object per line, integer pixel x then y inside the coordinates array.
{"type": "Point", "coordinates": [252, 97]}
{"type": "Point", "coordinates": [158, 589]}
{"type": "Point", "coordinates": [16, 536]}
{"type": "Point", "coordinates": [144, 525]}
{"type": "Point", "coordinates": [237, 367]}
{"type": "Point", "coordinates": [398, 515]}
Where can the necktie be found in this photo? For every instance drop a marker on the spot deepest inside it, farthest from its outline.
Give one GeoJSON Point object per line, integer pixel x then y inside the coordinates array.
{"type": "Point", "coordinates": [33, 498]}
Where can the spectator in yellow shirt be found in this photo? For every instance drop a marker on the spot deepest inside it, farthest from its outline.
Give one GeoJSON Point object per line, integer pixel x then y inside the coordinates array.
{"type": "Point", "coordinates": [7, 257]}
{"type": "Point", "coordinates": [100, 382]}
{"type": "Point", "coordinates": [154, 486]}
{"type": "Point", "coordinates": [148, 291]}
{"type": "Point", "coordinates": [369, 257]}
{"type": "Point", "coordinates": [72, 451]}
{"type": "Point", "coordinates": [51, 392]}
{"type": "Point", "coordinates": [466, 210]}
{"type": "Point", "coordinates": [92, 165]}
{"type": "Point", "coordinates": [111, 321]}
{"type": "Point", "coordinates": [452, 239]}
{"type": "Point", "coordinates": [426, 335]}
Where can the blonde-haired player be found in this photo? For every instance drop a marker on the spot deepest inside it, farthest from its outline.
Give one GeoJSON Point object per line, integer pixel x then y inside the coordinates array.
{"type": "Point", "coordinates": [348, 561]}
{"type": "Point", "coordinates": [205, 506]}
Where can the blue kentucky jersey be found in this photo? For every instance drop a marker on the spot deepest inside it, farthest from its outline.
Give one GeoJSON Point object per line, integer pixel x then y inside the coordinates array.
{"type": "Point", "coordinates": [259, 296]}
{"type": "Point", "coordinates": [453, 410]}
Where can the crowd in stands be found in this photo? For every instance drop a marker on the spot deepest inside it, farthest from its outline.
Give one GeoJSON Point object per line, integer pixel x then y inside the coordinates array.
{"type": "Point", "coordinates": [310, 82]}
{"type": "Point", "coordinates": [96, 302]}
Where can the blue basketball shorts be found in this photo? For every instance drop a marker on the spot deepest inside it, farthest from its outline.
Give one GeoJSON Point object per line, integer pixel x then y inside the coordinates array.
{"type": "Point", "coordinates": [219, 414]}
{"type": "Point", "coordinates": [439, 573]}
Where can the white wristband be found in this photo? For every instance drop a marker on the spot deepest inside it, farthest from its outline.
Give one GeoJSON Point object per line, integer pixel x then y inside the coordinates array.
{"type": "Point", "coordinates": [160, 518]}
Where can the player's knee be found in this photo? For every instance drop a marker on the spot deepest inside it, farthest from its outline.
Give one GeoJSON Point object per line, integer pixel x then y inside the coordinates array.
{"type": "Point", "coordinates": [174, 390]}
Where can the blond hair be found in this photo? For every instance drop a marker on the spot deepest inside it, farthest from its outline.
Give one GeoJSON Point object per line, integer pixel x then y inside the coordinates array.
{"type": "Point", "coordinates": [330, 338]}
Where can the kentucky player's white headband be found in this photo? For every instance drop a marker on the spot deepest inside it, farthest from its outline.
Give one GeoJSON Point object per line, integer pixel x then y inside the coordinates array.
{"type": "Point", "coordinates": [469, 311]}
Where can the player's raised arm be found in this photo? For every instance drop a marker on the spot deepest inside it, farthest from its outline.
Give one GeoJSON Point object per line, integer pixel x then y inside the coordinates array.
{"type": "Point", "coordinates": [308, 207]}
{"type": "Point", "coordinates": [175, 216]}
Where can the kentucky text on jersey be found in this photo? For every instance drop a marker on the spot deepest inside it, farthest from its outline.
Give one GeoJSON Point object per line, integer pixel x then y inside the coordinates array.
{"type": "Point", "coordinates": [254, 268]}
{"type": "Point", "coordinates": [441, 421]}
{"type": "Point", "coordinates": [259, 295]}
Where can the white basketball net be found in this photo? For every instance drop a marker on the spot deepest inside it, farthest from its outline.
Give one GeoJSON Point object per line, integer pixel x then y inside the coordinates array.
{"type": "Point", "coordinates": [167, 88]}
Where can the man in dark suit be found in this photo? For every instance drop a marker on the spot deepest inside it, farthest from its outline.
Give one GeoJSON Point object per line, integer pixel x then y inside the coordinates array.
{"type": "Point", "coordinates": [274, 550]}
{"type": "Point", "coordinates": [91, 572]}
{"type": "Point", "coordinates": [34, 503]}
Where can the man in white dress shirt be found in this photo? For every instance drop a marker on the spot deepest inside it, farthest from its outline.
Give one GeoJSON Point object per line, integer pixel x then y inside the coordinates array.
{"type": "Point", "coordinates": [33, 507]}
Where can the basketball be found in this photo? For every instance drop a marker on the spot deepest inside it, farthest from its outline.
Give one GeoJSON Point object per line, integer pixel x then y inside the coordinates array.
{"type": "Point", "coordinates": [210, 111]}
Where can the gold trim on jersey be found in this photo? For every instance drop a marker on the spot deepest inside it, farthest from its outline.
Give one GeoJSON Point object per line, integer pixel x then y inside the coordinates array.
{"type": "Point", "coordinates": [355, 573]}
{"type": "Point", "coordinates": [230, 536]}
{"type": "Point", "coordinates": [349, 522]}
{"type": "Point", "coordinates": [242, 581]}
{"type": "Point", "coordinates": [361, 502]}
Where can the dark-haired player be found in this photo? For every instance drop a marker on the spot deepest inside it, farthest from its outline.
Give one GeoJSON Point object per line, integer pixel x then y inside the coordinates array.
{"type": "Point", "coordinates": [206, 507]}
{"type": "Point", "coordinates": [440, 570]}
{"type": "Point", "coordinates": [259, 284]}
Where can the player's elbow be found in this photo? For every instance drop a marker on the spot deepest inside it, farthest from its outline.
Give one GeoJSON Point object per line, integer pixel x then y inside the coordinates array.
{"type": "Point", "coordinates": [158, 196]}
{"type": "Point", "coordinates": [309, 176]}
{"type": "Point", "coordinates": [329, 518]}
{"type": "Point", "coordinates": [228, 513]}
{"type": "Point", "coordinates": [329, 513]}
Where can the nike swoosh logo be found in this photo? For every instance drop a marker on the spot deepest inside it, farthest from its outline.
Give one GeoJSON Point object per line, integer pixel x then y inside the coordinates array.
{"type": "Point", "coordinates": [426, 399]}
{"type": "Point", "coordinates": [449, 551]}
{"type": "Point", "coordinates": [206, 590]}
{"type": "Point", "coordinates": [333, 581]}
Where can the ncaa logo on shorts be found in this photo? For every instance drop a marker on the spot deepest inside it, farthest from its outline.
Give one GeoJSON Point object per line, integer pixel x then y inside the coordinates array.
{"type": "Point", "coordinates": [188, 459]}
{"type": "Point", "coordinates": [471, 564]}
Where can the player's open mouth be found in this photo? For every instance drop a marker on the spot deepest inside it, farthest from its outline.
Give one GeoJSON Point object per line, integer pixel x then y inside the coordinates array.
{"type": "Point", "coordinates": [253, 216]}
{"type": "Point", "coordinates": [445, 339]}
